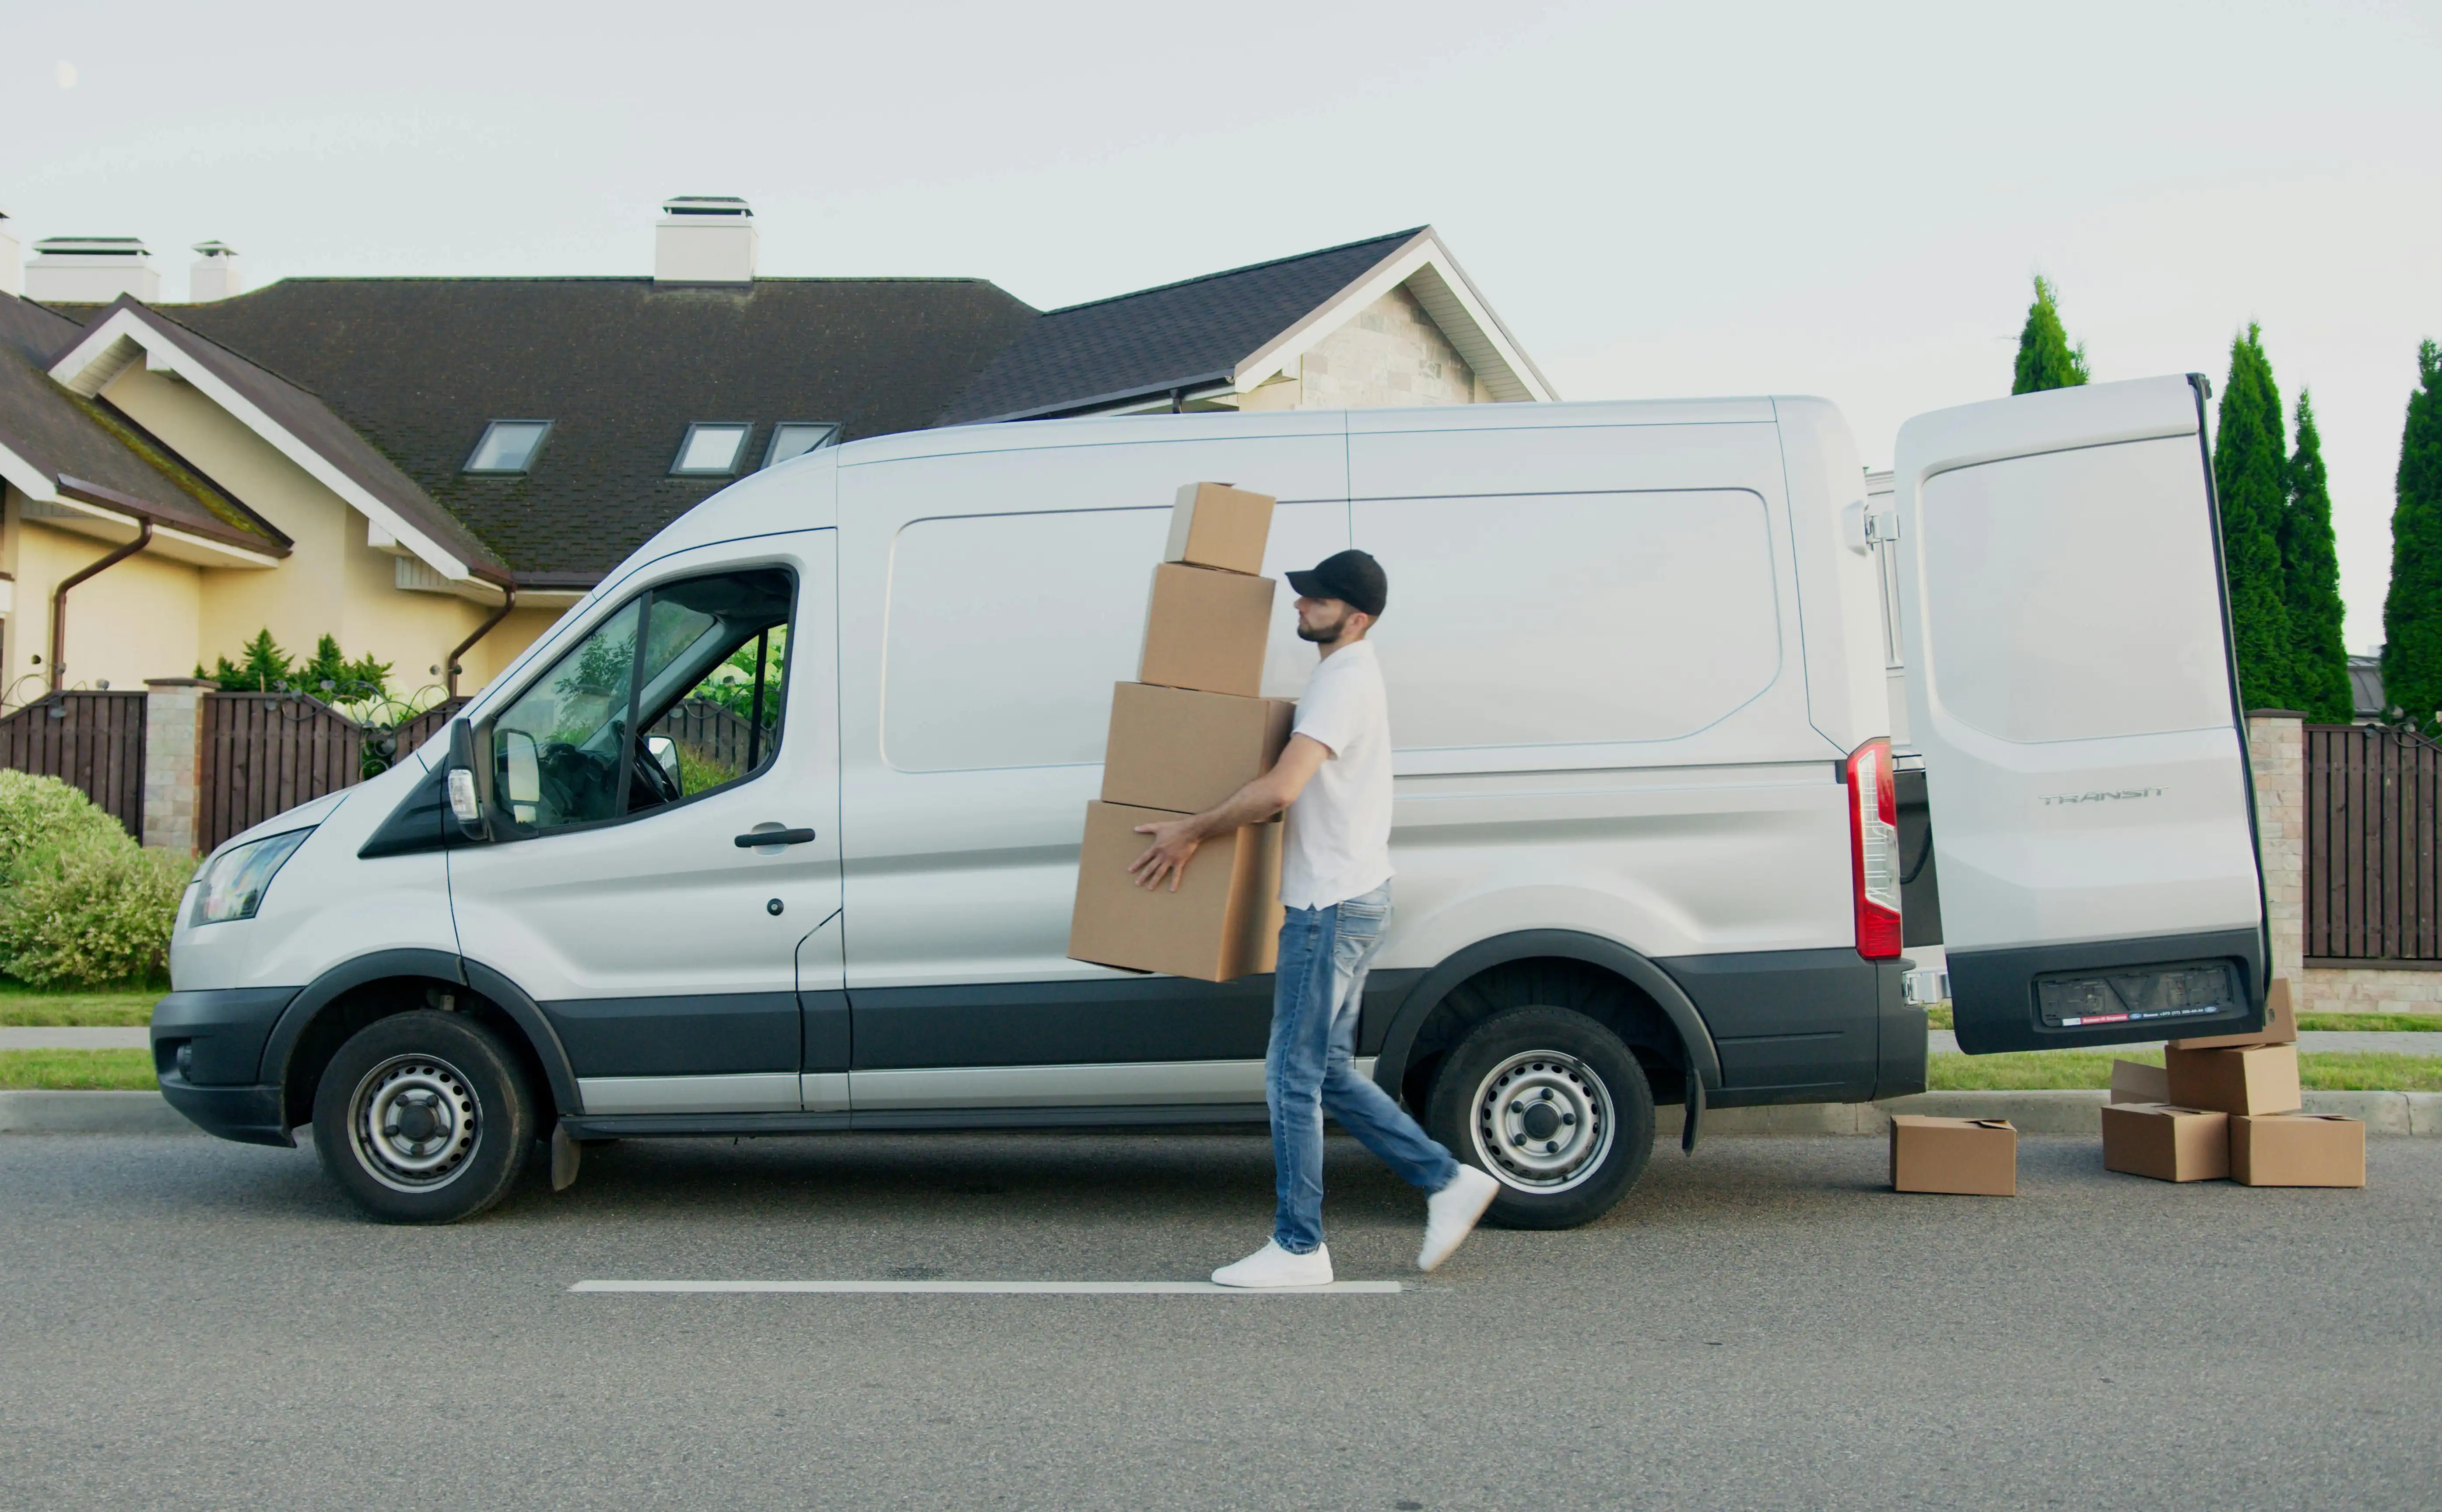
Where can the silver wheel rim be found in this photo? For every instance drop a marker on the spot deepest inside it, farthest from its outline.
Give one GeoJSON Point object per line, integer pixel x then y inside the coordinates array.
{"type": "Point", "coordinates": [415, 1122]}
{"type": "Point", "coordinates": [1542, 1122]}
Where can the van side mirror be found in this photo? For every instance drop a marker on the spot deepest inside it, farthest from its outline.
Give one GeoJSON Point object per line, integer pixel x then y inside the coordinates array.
{"type": "Point", "coordinates": [464, 778]}
{"type": "Point", "coordinates": [664, 753]}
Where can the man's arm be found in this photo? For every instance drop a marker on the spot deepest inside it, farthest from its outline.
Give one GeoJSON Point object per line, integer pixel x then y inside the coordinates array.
{"type": "Point", "coordinates": [1176, 840]}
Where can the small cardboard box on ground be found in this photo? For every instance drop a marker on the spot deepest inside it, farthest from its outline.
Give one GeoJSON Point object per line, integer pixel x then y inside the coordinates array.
{"type": "Point", "coordinates": [2167, 1143]}
{"type": "Point", "coordinates": [1206, 629]}
{"type": "Point", "coordinates": [1185, 752]}
{"type": "Point", "coordinates": [2297, 1150]}
{"type": "Point", "coordinates": [2245, 1079]}
{"type": "Point", "coordinates": [1216, 525]}
{"type": "Point", "coordinates": [1974, 1158]}
{"type": "Point", "coordinates": [2136, 1081]}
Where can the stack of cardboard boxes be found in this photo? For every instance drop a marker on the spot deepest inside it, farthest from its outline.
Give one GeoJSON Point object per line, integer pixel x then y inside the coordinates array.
{"type": "Point", "coordinates": [1186, 735]}
{"type": "Point", "coordinates": [2229, 1106]}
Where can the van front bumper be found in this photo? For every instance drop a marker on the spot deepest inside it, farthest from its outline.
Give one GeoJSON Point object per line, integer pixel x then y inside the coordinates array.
{"type": "Point", "coordinates": [251, 1115]}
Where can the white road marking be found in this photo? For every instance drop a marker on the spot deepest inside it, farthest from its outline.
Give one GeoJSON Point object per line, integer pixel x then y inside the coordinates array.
{"type": "Point", "coordinates": [1001, 1289]}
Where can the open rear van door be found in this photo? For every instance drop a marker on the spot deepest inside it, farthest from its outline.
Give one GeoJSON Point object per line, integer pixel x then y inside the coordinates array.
{"type": "Point", "coordinates": [2071, 687]}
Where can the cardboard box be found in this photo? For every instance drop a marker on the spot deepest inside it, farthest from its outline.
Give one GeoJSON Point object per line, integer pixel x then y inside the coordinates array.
{"type": "Point", "coordinates": [2251, 1079]}
{"type": "Point", "coordinates": [1206, 629]}
{"type": "Point", "coordinates": [1223, 921]}
{"type": "Point", "coordinates": [2167, 1143]}
{"type": "Point", "coordinates": [1971, 1157]}
{"type": "Point", "coordinates": [1185, 752]}
{"type": "Point", "coordinates": [2280, 1025]}
{"type": "Point", "coordinates": [2297, 1150]}
{"type": "Point", "coordinates": [2136, 1081]}
{"type": "Point", "coordinates": [1216, 525]}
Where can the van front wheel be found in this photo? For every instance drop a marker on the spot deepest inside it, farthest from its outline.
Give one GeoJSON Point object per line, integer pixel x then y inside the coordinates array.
{"type": "Point", "coordinates": [423, 1117]}
{"type": "Point", "coordinates": [1554, 1106]}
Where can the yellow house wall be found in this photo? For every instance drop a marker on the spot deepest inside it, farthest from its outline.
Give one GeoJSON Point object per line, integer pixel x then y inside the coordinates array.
{"type": "Point", "coordinates": [334, 582]}
{"type": "Point", "coordinates": [134, 621]}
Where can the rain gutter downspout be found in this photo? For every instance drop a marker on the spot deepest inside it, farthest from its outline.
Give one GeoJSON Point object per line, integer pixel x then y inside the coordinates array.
{"type": "Point", "coordinates": [60, 597]}
{"type": "Point", "coordinates": [508, 602]}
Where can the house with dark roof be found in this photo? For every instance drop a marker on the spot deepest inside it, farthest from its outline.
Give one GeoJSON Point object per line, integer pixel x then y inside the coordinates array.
{"type": "Point", "coordinates": [432, 469]}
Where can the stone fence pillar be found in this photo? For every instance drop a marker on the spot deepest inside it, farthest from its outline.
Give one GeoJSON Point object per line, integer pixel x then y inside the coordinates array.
{"type": "Point", "coordinates": [2277, 740]}
{"type": "Point", "coordinates": [173, 752]}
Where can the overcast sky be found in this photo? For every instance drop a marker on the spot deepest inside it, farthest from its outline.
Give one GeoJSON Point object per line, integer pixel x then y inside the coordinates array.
{"type": "Point", "coordinates": [1667, 200]}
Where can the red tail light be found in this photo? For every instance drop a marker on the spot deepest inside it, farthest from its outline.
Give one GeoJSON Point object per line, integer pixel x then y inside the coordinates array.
{"type": "Point", "coordinates": [1874, 848]}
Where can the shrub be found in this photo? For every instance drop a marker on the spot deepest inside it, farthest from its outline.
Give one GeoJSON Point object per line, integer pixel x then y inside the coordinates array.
{"type": "Point", "coordinates": [93, 915]}
{"type": "Point", "coordinates": [42, 817]}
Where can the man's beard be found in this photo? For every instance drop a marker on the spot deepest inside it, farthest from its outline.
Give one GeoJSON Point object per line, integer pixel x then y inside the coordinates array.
{"type": "Point", "coordinates": [1327, 635]}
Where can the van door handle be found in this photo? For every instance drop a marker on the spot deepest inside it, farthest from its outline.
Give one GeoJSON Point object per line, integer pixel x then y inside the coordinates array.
{"type": "Point", "coordinates": [773, 837]}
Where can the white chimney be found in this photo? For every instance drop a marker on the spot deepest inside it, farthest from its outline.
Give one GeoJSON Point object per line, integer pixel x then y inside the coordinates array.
{"type": "Point", "coordinates": [705, 239]}
{"type": "Point", "coordinates": [8, 272]}
{"type": "Point", "coordinates": [91, 270]}
{"type": "Point", "coordinates": [214, 274]}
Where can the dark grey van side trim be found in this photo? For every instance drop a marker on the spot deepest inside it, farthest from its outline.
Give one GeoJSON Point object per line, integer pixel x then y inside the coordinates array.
{"type": "Point", "coordinates": [1789, 1026]}
{"type": "Point", "coordinates": [438, 964]}
{"type": "Point", "coordinates": [1421, 999]}
{"type": "Point", "coordinates": [531, 1018]}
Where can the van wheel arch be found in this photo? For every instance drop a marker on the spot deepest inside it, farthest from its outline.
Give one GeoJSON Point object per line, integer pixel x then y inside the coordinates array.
{"type": "Point", "coordinates": [1558, 968]}
{"type": "Point", "coordinates": [347, 997]}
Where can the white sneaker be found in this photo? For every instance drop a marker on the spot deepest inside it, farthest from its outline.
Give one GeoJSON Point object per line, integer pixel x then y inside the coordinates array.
{"type": "Point", "coordinates": [1450, 1214]}
{"type": "Point", "coordinates": [1275, 1266]}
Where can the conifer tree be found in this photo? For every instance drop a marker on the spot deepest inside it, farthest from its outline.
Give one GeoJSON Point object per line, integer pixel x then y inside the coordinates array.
{"type": "Point", "coordinates": [2310, 575]}
{"type": "Point", "coordinates": [2251, 473]}
{"type": "Point", "coordinates": [2046, 360]}
{"type": "Point", "coordinates": [2412, 611]}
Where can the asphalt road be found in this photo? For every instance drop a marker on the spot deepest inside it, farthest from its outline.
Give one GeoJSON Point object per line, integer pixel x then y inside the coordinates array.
{"type": "Point", "coordinates": [185, 1322]}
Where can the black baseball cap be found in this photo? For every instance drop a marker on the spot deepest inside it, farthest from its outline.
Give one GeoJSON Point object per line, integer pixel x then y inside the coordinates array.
{"type": "Point", "coordinates": [1354, 577]}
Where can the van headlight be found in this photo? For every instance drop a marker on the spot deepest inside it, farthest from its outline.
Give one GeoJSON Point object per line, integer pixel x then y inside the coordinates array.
{"type": "Point", "coordinates": [234, 885]}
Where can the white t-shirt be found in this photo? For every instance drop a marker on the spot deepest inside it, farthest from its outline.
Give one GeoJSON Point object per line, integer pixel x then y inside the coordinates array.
{"type": "Point", "coordinates": [1338, 842]}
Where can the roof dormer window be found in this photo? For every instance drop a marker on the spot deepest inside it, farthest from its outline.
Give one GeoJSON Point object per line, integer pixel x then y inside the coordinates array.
{"type": "Point", "coordinates": [508, 446]}
{"type": "Point", "coordinates": [711, 448]}
{"type": "Point", "coordinates": [794, 438]}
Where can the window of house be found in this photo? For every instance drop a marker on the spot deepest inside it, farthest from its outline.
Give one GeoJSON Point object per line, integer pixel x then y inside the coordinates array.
{"type": "Point", "coordinates": [508, 445]}
{"type": "Point", "coordinates": [794, 438]}
{"type": "Point", "coordinates": [711, 448]}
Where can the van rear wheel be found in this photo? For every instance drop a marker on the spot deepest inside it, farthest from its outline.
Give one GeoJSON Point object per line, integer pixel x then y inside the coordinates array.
{"type": "Point", "coordinates": [1554, 1106]}
{"type": "Point", "coordinates": [424, 1118]}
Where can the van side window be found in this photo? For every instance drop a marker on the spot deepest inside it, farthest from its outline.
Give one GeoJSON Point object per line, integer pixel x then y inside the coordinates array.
{"type": "Point", "coordinates": [705, 680]}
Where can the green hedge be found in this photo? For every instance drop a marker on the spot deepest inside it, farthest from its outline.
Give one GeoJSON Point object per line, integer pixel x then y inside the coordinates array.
{"type": "Point", "coordinates": [81, 904]}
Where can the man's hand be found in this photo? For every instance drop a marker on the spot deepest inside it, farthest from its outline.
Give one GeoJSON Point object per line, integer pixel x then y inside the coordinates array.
{"type": "Point", "coordinates": [1173, 841]}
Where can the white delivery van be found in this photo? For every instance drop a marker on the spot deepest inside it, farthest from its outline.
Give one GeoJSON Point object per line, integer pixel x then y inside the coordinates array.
{"type": "Point", "coordinates": [776, 831]}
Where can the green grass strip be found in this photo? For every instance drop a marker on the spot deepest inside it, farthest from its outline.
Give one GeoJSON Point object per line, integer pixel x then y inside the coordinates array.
{"type": "Point", "coordinates": [77, 1070]}
{"type": "Point", "coordinates": [116, 1009]}
{"type": "Point", "coordinates": [2040, 1070]}
{"type": "Point", "coordinates": [1939, 1018]}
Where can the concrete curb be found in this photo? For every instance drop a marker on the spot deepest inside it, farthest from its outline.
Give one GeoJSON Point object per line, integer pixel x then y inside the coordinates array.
{"type": "Point", "coordinates": [2076, 1112]}
{"type": "Point", "coordinates": [2044, 1112]}
{"type": "Point", "coordinates": [33, 1112]}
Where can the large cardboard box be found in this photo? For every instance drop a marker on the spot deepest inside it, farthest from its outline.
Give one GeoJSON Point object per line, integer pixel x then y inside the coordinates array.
{"type": "Point", "coordinates": [1223, 922]}
{"type": "Point", "coordinates": [2297, 1150]}
{"type": "Point", "coordinates": [1977, 1157]}
{"type": "Point", "coordinates": [1216, 525]}
{"type": "Point", "coordinates": [2167, 1143]}
{"type": "Point", "coordinates": [1205, 629]}
{"type": "Point", "coordinates": [2280, 1025]}
{"type": "Point", "coordinates": [2249, 1079]}
{"type": "Point", "coordinates": [1173, 749]}
{"type": "Point", "coordinates": [2136, 1081]}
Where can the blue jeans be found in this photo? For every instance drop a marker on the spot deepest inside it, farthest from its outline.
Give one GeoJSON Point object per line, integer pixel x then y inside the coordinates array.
{"type": "Point", "coordinates": [1309, 1070]}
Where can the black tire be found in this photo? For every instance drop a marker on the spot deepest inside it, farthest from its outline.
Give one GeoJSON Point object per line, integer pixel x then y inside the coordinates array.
{"type": "Point", "coordinates": [458, 1117]}
{"type": "Point", "coordinates": [1586, 1129]}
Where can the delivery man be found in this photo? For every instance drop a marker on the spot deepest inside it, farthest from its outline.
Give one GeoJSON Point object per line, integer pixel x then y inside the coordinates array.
{"type": "Point", "coordinates": [1334, 780]}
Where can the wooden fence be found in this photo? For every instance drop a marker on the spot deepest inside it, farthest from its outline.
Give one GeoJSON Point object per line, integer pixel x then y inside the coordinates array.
{"type": "Point", "coordinates": [264, 753]}
{"type": "Point", "coordinates": [714, 733]}
{"type": "Point", "coordinates": [91, 740]}
{"type": "Point", "coordinates": [2374, 871]}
